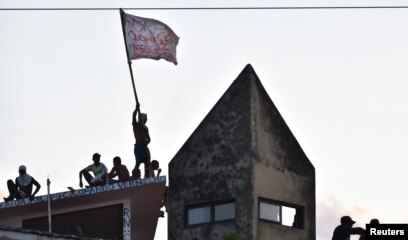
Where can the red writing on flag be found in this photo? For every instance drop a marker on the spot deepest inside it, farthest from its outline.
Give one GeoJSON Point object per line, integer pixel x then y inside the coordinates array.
{"type": "Point", "coordinates": [149, 38]}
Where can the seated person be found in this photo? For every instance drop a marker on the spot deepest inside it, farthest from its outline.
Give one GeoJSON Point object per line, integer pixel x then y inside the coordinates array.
{"type": "Point", "coordinates": [23, 186]}
{"type": "Point", "coordinates": [155, 167]}
{"type": "Point", "coordinates": [99, 170]}
{"type": "Point", "coordinates": [118, 170]}
{"type": "Point", "coordinates": [136, 174]}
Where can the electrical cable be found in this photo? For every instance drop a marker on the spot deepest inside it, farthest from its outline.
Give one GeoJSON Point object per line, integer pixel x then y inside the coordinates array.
{"type": "Point", "coordinates": [206, 8]}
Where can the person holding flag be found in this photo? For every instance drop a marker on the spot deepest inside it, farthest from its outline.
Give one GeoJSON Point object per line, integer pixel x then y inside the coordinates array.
{"type": "Point", "coordinates": [152, 39]}
{"type": "Point", "coordinates": [142, 137]}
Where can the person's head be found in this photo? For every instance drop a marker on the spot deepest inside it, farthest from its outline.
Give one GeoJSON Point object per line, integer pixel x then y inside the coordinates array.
{"type": "Point", "coordinates": [117, 160]}
{"type": "Point", "coordinates": [136, 173]}
{"type": "Point", "coordinates": [143, 118]}
{"type": "Point", "coordinates": [96, 158]}
{"type": "Point", "coordinates": [346, 220]}
{"type": "Point", "coordinates": [374, 221]}
{"type": "Point", "coordinates": [155, 164]}
{"type": "Point", "coordinates": [22, 170]}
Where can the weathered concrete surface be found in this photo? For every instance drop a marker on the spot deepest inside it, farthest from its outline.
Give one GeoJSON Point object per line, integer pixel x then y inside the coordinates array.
{"type": "Point", "coordinates": [281, 169]}
{"type": "Point", "coordinates": [242, 150]}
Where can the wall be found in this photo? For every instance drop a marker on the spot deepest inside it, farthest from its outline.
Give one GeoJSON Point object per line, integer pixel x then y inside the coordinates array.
{"type": "Point", "coordinates": [244, 150]}
{"type": "Point", "coordinates": [282, 171]}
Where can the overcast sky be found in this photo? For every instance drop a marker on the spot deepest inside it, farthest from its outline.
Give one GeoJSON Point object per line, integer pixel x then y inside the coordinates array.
{"type": "Point", "coordinates": [339, 77]}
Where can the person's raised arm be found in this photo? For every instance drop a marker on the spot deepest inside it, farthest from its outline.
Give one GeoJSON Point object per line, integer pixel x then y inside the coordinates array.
{"type": "Point", "coordinates": [134, 120]}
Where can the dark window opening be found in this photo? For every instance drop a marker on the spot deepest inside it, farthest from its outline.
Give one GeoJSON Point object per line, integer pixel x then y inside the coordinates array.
{"type": "Point", "coordinates": [281, 213]}
{"type": "Point", "coordinates": [103, 222]}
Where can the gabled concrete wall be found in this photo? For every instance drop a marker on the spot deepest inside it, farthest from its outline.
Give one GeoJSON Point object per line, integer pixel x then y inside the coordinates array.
{"type": "Point", "coordinates": [243, 150]}
{"type": "Point", "coordinates": [281, 170]}
{"type": "Point", "coordinates": [214, 164]}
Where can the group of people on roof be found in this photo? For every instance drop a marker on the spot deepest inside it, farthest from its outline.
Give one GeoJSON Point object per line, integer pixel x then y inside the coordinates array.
{"type": "Point", "coordinates": [346, 229]}
{"type": "Point", "coordinates": [22, 187]}
{"type": "Point", "coordinates": [101, 176]}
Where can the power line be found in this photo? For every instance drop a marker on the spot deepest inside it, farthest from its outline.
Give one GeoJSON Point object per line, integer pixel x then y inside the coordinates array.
{"type": "Point", "coordinates": [206, 8]}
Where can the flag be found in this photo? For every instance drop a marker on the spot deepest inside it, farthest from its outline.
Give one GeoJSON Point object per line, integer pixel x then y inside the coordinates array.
{"type": "Point", "coordinates": [148, 38]}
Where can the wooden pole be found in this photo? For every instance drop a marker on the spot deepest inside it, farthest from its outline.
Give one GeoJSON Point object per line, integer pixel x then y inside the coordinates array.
{"type": "Point", "coordinates": [123, 20]}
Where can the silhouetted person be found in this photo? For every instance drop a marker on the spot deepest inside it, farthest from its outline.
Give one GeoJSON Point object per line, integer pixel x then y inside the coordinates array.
{"type": "Point", "coordinates": [373, 221]}
{"type": "Point", "coordinates": [164, 201]}
{"type": "Point", "coordinates": [23, 186]}
{"type": "Point", "coordinates": [141, 133]}
{"type": "Point", "coordinates": [99, 170]}
{"type": "Point", "coordinates": [343, 231]}
{"type": "Point", "coordinates": [155, 167]}
{"type": "Point", "coordinates": [135, 174]}
{"type": "Point", "coordinates": [118, 170]}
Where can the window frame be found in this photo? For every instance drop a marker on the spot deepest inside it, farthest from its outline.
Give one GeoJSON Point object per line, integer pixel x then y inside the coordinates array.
{"type": "Point", "coordinates": [212, 206]}
{"type": "Point", "coordinates": [197, 207]}
{"type": "Point", "coordinates": [270, 202]}
{"type": "Point", "coordinates": [223, 203]}
{"type": "Point", "coordinates": [299, 210]}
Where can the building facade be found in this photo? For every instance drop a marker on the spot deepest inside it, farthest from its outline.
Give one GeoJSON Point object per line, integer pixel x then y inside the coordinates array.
{"type": "Point", "coordinates": [124, 210]}
{"type": "Point", "coordinates": [242, 171]}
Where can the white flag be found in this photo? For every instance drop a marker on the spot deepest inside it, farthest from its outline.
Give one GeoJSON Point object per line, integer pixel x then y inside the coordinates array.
{"type": "Point", "coordinates": [149, 38]}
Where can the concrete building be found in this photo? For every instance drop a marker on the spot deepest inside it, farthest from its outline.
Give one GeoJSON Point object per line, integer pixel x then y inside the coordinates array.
{"type": "Point", "coordinates": [242, 171]}
{"type": "Point", "coordinates": [125, 210]}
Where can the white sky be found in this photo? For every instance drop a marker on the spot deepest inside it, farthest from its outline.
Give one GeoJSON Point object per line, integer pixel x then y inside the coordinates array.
{"type": "Point", "coordinates": [338, 77]}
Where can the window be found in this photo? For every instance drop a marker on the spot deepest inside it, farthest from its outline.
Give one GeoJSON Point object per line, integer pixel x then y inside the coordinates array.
{"type": "Point", "coordinates": [223, 212]}
{"type": "Point", "coordinates": [199, 215]}
{"type": "Point", "coordinates": [281, 213]}
{"type": "Point", "coordinates": [269, 211]}
{"type": "Point", "coordinates": [210, 213]}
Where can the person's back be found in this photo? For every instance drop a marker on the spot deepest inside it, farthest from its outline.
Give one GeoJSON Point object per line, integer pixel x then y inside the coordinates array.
{"type": "Point", "coordinates": [123, 173]}
{"type": "Point", "coordinates": [341, 232]}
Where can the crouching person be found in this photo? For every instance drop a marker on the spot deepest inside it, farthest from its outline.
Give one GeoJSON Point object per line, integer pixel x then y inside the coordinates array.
{"type": "Point", "coordinates": [23, 186]}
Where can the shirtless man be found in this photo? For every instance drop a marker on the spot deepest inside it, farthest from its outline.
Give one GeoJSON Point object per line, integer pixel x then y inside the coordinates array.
{"type": "Point", "coordinates": [118, 170]}
{"type": "Point", "coordinates": [141, 133]}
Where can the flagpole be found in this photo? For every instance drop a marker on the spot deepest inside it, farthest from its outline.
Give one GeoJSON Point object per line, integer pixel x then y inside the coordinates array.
{"type": "Point", "coordinates": [122, 19]}
{"type": "Point", "coordinates": [49, 204]}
